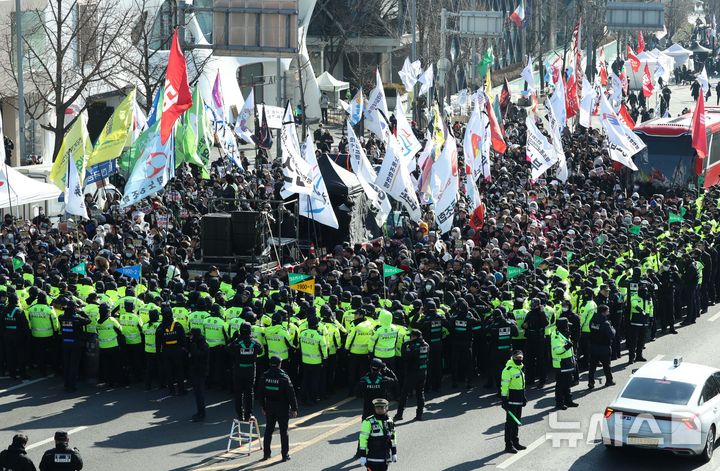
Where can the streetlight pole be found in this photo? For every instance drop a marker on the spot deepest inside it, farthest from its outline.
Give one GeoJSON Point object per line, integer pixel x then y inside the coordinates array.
{"type": "Point", "coordinates": [21, 89]}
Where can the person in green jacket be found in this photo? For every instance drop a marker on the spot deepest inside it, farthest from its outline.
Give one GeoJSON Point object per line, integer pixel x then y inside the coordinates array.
{"type": "Point", "coordinates": [512, 392]}
{"type": "Point", "coordinates": [563, 359]}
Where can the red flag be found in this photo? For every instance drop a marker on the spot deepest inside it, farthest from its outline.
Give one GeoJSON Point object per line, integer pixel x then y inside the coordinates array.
{"type": "Point", "coordinates": [477, 218]}
{"type": "Point", "coordinates": [699, 133]}
{"type": "Point", "coordinates": [647, 84]}
{"type": "Point", "coordinates": [572, 102]}
{"type": "Point", "coordinates": [625, 117]}
{"type": "Point", "coordinates": [496, 133]}
{"type": "Point", "coordinates": [641, 42]}
{"type": "Point", "coordinates": [602, 68]}
{"type": "Point", "coordinates": [176, 96]}
{"type": "Point", "coordinates": [633, 59]}
{"type": "Point", "coordinates": [505, 97]}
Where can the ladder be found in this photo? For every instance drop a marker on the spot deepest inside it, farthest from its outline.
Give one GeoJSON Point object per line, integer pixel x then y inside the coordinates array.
{"type": "Point", "coordinates": [245, 433]}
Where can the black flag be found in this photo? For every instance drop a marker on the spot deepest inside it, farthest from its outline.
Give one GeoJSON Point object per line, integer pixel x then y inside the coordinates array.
{"type": "Point", "coordinates": [263, 136]}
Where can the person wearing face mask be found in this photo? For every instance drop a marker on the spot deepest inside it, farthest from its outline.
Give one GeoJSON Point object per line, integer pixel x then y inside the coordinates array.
{"type": "Point", "coordinates": [563, 359]}
{"type": "Point", "coordinates": [512, 392]}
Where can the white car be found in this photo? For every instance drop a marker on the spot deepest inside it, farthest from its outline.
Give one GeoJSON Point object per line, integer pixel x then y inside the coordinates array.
{"type": "Point", "coordinates": [667, 405]}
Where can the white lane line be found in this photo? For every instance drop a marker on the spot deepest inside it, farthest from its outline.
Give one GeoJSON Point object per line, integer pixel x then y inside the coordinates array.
{"type": "Point", "coordinates": [51, 439]}
{"type": "Point", "coordinates": [656, 358]}
{"type": "Point", "coordinates": [508, 462]}
{"type": "Point", "coordinates": [22, 385]}
{"type": "Point", "coordinates": [714, 317]}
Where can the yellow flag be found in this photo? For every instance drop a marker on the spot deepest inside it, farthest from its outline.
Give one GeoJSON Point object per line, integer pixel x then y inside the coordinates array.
{"type": "Point", "coordinates": [114, 135]}
{"type": "Point", "coordinates": [438, 136]}
{"type": "Point", "coordinates": [488, 85]}
{"type": "Point", "coordinates": [307, 286]}
{"type": "Point", "coordinates": [76, 146]}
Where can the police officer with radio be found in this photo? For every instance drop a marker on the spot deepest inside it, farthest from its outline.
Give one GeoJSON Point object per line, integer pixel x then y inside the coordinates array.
{"type": "Point", "coordinates": [62, 457]}
{"type": "Point", "coordinates": [279, 404]}
{"type": "Point", "coordinates": [602, 337]}
{"type": "Point", "coordinates": [72, 332]}
{"type": "Point", "coordinates": [244, 352]}
{"type": "Point", "coordinates": [415, 359]}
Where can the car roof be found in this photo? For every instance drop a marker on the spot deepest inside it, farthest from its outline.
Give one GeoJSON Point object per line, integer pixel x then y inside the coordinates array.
{"type": "Point", "coordinates": [686, 372]}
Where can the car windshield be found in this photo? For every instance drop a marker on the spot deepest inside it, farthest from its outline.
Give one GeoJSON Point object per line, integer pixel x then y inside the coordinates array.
{"type": "Point", "coordinates": [658, 390]}
{"type": "Point", "coordinates": [666, 162]}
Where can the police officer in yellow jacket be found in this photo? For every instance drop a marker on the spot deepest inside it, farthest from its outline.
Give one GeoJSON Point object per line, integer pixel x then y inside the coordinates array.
{"type": "Point", "coordinates": [314, 353]}
{"type": "Point", "coordinates": [563, 359]}
{"type": "Point", "coordinates": [378, 443]}
{"type": "Point", "coordinates": [512, 392]}
{"type": "Point", "coordinates": [44, 326]}
{"type": "Point", "coordinates": [152, 362]}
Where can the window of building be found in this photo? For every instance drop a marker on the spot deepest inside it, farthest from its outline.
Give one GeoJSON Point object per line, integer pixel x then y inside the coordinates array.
{"type": "Point", "coordinates": [163, 26]}
{"type": "Point", "coordinates": [251, 75]}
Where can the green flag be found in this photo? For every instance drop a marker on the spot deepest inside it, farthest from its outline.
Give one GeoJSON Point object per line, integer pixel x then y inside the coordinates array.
{"type": "Point", "coordinates": [570, 254]}
{"type": "Point", "coordinates": [389, 270]}
{"type": "Point", "coordinates": [486, 62]}
{"type": "Point", "coordinates": [683, 210]}
{"type": "Point", "coordinates": [294, 278]}
{"type": "Point", "coordinates": [672, 218]}
{"type": "Point", "coordinates": [126, 161]}
{"type": "Point", "coordinates": [537, 261]}
{"type": "Point", "coordinates": [80, 269]}
{"type": "Point", "coordinates": [17, 263]}
{"type": "Point", "coordinates": [601, 239]}
{"type": "Point", "coordinates": [512, 272]}
{"type": "Point", "coordinates": [192, 138]}
{"type": "Point", "coordinates": [634, 230]}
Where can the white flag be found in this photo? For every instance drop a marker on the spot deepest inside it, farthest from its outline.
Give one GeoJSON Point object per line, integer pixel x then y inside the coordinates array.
{"type": "Point", "coordinates": [527, 75]}
{"type": "Point", "coordinates": [617, 89]}
{"type": "Point", "coordinates": [539, 151]}
{"type": "Point", "coordinates": [426, 81]}
{"type": "Point", "coordinates": [74, 198]}
{"type": "Point", "coordinates": [395, 179]}
{"type": "Point", "coordinates": [296, 172]}
{"type": "Point", "coordinates": [702, 79]}
{"type": "Point", "coordinates": [476, 145]}
{"type": "Point", "coordinates": [620, 148]}
{"type": "Point", "coordinates": [661, 34]}
{"type": "Point", "coordinates": [445, 185]}
{"type": "Point", "coordinates": [409, 145]}
{"type": "Point", "coordinates": [356, 108]}
{"type": "Point", "coordinates": [245, 117]}
{"type": "Point", "coordinates": [555, 135]}
{"type": "Point", "coordinates": [587, 104]}
{"type": "Point", "coordinates": [557, 101]}
{"type": "Point", "coordinates": [376, 102]}
{"type": "Point", "coordinates": [366, 175]}
{"type": "Point", "coordinates": [409, 73]}
{"type": "Point", "coordinates": [316, 206]}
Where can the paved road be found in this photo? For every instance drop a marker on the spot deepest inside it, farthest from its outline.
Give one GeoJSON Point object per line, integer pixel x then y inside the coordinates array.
{"type": "Point", "coordinates": [132, 429]}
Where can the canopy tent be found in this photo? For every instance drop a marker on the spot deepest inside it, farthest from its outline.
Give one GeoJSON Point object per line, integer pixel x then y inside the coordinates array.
{"type": "Point", "coordinates": [651, 59]}
{"type": "Point", "coordinates": [328, 83]}
{"type": "Point", "coordinates": [680, 55]}
{"type": "Point", "coordinates": [16, 189]}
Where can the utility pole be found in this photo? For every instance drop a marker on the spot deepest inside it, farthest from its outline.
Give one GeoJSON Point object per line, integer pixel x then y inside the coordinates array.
{"type": "Point", "coordinates": [21, 89]}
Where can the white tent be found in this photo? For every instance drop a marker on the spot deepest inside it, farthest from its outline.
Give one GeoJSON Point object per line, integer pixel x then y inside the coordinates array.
{"type": "Point", "coordinates": [680, 55]}
{"type": "Point", "coordinates": [18, 189]}
{"type": "Point", "coordinates": [328, 83]}
{"type": "Point", "coordinates": [651, 59]}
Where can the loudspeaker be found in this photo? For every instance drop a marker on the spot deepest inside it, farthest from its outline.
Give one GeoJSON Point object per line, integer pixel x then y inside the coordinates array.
{"type": "Point", "coordinates": [245, 232]}
{"type": "Point", "coordinates": [217, 235]}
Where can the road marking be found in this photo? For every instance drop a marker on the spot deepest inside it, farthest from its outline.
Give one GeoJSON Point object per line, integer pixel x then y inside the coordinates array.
{"type": "Point", "coordinates": [311, 427]}
{"type": "Point", "coordinates": [332, 408]}
{"type": "Point", "coordinates": [51, 439]}
{"type": "Point", "coordinates": [506, 464]}
{"type": "Point", "coordinates": [714, 317]}
{"type": "Point", "coordinates": [656, 358]}
{"type": "Point", "coordinates": [22, 385]}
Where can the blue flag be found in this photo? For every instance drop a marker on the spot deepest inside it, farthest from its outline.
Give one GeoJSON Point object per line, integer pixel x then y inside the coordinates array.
{"type": "Point", "coordinates": [153, 169]}
{"type": "Point", "coordinates": [153, 114]}
{"type": "Point", "coordinates": [100, 171]}
{"type": "Point", "coordinates": [133, 271]}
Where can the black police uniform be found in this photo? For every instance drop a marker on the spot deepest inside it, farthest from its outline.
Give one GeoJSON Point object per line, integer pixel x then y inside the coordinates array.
{"type": "Point", "coordinates": [244, 353]}
{"type": "Point", "coordinates": [15, 459]}
{"type": "Point", "coordinates": [535, 355]}
{"type": "Point", "coordinates": [15, 330]}
{"type": "Point", "coordinates": [277, 396]}
{"type": "Point", "coordinates": [500, 333]}
{"type": "Point", "coordinates": [61, 458]}
{"type": "Point", "coordinates": [461, 340]}
{"type": "Point", "coordinates": [602, 336]}
{"type": "Point", "coordinates": [376, 384]}
{"type": "Point", "coordinates": [170, 340]}
{"type": "Point", "coordinates": [415, 359]}
{"type": "Point", "coordinates": [72, 333]}
{"type": "Point", "coordinates": [432, 328]}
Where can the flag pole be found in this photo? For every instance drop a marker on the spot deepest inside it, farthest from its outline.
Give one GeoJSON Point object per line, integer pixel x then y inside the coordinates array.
{"type": "Point", "coordinates": [7, 177]}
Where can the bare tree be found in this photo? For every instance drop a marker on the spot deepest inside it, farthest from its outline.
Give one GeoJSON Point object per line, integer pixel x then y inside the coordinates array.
{"type": "Point", "coordinates": [144, 59]}
{"type": "Point", "coordinates": [72, 51]}
{"type": "Point", "coordinates": [676, 16]}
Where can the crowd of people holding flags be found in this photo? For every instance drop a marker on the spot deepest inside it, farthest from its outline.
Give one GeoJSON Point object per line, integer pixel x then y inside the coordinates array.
{"type": "Point", "coordinates": [513, 214]}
